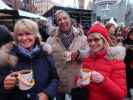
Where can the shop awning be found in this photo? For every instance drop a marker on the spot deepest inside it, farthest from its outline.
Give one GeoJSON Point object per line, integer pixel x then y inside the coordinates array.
{"type": "Point", "coordinates": [30, 15]}
{"type": "Point", "coordinates": [8, 12]}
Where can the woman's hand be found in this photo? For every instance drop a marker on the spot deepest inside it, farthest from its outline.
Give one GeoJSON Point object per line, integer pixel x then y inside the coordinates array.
{"type": "Point", "coordinates": [10, 82]}
{"type": "Point", "coordinates": [42, 96]}
{"type": "Point", "coordinates": [97, 77]}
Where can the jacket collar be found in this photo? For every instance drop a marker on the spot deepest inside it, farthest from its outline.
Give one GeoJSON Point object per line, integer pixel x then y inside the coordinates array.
{"type": "Point", "coordinates": [102, 53]}
{"type": "Point", "coordinates": [56, 35]}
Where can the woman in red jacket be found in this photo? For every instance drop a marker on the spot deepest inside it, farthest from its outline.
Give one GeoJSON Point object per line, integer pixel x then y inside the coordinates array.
{"type": "Point", "coordinates": [106, 66]}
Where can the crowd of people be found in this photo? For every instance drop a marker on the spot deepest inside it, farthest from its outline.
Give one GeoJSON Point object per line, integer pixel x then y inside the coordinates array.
{"type": "Point", "coordinates": [36, 65]}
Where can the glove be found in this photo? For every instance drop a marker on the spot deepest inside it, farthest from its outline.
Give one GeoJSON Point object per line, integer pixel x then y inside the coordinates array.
{"type": "Point", "coordinates": [97, 77]}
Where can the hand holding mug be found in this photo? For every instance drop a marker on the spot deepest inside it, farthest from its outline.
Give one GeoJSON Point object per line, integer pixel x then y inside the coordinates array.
{"type": "Point", "coordinates": [97, 77]}
{"type": "Point", "coordinates": [10, 82]}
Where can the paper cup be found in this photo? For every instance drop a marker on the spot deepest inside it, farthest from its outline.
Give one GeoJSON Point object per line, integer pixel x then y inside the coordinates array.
{"type": "Point", "coordinates": [25, 79]}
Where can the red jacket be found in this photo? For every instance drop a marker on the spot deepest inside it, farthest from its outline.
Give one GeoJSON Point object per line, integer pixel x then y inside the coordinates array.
{"type": "Point", "coordinates": [114, 85]}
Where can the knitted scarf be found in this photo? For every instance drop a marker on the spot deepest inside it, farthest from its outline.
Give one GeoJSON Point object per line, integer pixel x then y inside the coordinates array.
{"type": "Point", "coordinates": [67, 39]}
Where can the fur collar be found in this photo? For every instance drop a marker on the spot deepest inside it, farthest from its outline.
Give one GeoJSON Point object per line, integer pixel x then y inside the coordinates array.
{"type": "Point", "coordinates": [7, 58]}
{"type": "Point", "coordinates": [113, 53]}
{"type": "Point", "coordinates": [116, 52]}
{"type": "Point", "coordinates": [46, 47]}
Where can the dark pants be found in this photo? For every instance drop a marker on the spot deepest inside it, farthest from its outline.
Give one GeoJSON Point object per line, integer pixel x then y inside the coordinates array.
{"type": "Point", "coordinates": [60, 96]}
{"type": "Point", "coordinates": [79, 94]}
{"type": "Point", "coordinates": [76, 94]}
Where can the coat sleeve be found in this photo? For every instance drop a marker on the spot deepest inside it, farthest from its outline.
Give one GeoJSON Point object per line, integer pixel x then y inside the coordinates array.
{"type": "Point", "coordinates": [115, 85]}
{"type": "Point", "coordinates": [52, 88]}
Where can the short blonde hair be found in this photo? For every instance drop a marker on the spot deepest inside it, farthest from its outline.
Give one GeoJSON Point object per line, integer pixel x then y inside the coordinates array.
{"type": "Point", "coordinates": [26, 26]}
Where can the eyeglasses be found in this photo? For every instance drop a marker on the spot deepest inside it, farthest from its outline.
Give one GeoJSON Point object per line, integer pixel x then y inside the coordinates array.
{"type": "Point", "coordinates": [94, 39]}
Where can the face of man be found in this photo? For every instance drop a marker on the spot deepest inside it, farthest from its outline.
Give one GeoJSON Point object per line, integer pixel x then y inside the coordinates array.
{"type": "Point", "coordinates": [63, 22]}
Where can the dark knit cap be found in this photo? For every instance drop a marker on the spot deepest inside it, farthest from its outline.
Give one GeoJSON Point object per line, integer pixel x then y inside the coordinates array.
{"type": "Point", "coordinates": [5, 35]}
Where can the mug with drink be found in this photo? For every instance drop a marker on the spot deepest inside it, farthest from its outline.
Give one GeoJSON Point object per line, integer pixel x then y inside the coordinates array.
{"type": "Point", "coordinates": [25, 79]}
{"type": "Point", "coordinates": [85, 76]}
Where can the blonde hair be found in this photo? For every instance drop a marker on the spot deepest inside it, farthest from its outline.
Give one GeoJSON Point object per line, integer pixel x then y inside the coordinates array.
{"type": "Point", "coordinates": [26, 25]}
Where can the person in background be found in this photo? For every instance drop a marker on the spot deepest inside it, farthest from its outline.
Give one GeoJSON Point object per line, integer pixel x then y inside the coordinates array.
{"type": "Point", "coordinates": [111, 29]}
{"type": "Point", "coordinates": [119, 35]}
{"type": "Point", "coordinates": [43, 30]}
{"type": "Point", "coordinates": [125, 31]}
{"type": "Point", "coordinates": [77, 25]}
{"type": "Point", "coordinates": [128, 43]}
{"type": "Point", "coordinates": [107, 78]}
{"type": "Point", "coordinates": [68, 44]}
{"type": "Point", "coordinates": [34, 55]}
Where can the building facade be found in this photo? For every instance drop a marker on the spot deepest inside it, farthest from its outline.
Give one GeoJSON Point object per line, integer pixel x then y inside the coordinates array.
{"type": "Point", "coordinates": [15, 4]}
{"type": "Point", "coordinates": [42, 6]}
{"type": "Point", "coordinates": [104, 9]}
{"type": "Point", "coordinates": [21, 4]}
{"type": "Point", "coordinates": [85, 4]}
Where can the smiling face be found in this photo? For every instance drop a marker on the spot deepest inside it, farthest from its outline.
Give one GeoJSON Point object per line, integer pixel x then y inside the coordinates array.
{"type": "Point", "coordinates": [96, 42]}
{"type": "Point", "coordinates": [26, 33]}
{"type": "Point", "coordinates": [63, 21]}
{"type": "Point", "coordinates": [26, 40]}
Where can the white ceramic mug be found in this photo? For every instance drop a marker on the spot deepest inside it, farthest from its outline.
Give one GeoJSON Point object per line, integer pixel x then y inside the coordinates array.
{"type": "Point", "coordinates": [85, 75]}
{"type": "Point", "coordinates": [84, 53]}
{"type": "Point", "coordinates": [25, 79]}
{"type": "Point", "coordinates": [67, 55]}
